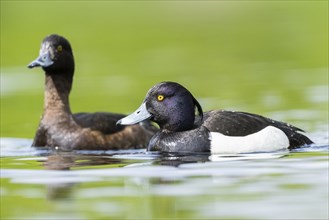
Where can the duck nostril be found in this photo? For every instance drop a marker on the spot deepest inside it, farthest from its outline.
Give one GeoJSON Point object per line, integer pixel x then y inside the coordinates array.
{"type": "Point", "coordinates": [138, 112]}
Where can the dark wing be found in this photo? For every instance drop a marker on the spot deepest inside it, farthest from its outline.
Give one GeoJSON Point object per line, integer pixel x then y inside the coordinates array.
{"type": "Point", "coordinates": [241, 124]}
{"type": "Point", "coordinates": [100, 121]}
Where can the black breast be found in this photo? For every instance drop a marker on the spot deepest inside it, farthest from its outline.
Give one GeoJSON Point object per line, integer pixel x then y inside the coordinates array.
{"type": "Point", "coordinates": [196, 140]}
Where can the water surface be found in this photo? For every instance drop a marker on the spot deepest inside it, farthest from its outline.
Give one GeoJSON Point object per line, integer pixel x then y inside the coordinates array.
{"type": "Point", "coordinates": [41, 184]}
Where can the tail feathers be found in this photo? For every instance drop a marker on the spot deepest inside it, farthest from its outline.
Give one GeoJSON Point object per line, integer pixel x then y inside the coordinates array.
{"type": "Point", "coordinates": [297, 140]}
{"type": "Point", "coordinates": [295, 135]}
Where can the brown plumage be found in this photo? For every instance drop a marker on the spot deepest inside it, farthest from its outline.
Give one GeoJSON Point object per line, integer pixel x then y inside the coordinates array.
{"type": "Point", "coordinates": [83, 131]}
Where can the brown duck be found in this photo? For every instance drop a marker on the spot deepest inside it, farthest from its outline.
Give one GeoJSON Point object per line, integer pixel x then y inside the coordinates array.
{"type": "Point", "coordinates": [82, 131]}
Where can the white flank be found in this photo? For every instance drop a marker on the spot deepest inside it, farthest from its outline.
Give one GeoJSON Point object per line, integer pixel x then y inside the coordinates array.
{"type": "Point", "coordinates": [268, 139]}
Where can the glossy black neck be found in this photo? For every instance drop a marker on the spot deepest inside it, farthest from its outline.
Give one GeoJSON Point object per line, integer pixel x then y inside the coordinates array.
{"type": "Point", "coordinates": [177, 124]}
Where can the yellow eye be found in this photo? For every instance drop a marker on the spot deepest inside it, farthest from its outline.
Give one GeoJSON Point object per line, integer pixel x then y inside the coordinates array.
{"type": "Point", "coordinates": [59, 48]}
{"type": "Point", "coordinates": [160, 97]}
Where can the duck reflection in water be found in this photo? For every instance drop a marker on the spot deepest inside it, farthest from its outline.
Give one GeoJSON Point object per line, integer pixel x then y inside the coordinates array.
{"type": "Point", "coordinates": [62, 190]}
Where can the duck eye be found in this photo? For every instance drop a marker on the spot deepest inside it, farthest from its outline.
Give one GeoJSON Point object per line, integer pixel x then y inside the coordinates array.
{"type": "Point", "coordinates": [160, 97]}
{"type": "Point", "coordinates": [59, 48]}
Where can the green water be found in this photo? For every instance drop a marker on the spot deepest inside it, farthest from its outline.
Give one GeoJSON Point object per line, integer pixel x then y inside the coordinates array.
{"type": "Point", "coordinates": [268, 186]}
{"type": "Point", "coordinates": [266, 57]}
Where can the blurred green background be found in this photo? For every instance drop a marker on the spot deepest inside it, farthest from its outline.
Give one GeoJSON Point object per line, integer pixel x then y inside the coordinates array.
{"type": "Point", "coordinates": [257, 56]}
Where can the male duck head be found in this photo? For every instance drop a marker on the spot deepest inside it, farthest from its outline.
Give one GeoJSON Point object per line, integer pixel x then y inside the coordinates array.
{"type": "Point", "coordinates": [55, 55]}
{"type": "Point", "coordinates": [170, 105]}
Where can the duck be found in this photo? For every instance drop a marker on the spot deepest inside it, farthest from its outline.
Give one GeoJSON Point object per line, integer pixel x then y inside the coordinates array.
{"type": "Point", "coordinates": [185, 128]}
{"type": "Point", "coordinates": [59, 128]}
